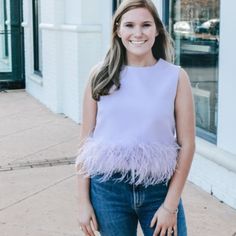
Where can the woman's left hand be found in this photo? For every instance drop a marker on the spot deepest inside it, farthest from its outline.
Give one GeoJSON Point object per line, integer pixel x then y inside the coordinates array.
{"type": "Point", "coordinates": [165, 223]}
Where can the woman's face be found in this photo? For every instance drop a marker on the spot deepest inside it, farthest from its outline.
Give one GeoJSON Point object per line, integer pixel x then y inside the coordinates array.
{"type": "Point", "coordinates": [137, 31]}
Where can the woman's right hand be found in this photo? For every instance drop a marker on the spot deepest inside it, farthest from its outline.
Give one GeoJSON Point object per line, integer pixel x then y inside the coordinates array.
{"type": "Point", "coordinates": [86, 216]}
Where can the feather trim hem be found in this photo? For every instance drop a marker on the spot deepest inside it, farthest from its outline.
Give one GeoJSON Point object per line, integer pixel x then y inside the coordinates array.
{"type": "Point", "coordinates": [148, 163]}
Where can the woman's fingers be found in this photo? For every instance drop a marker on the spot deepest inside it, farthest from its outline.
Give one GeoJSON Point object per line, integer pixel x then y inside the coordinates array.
{"type": "Point", "coordinates": [89, 230]}
{"type": "Point", "coordinates": [157, 230]}
{"type": "Point", "coordinates": [163, 231]}
{"type": "Point", "coordinates": [170, 231]}
{"type": "Point", "coordinates": [94, 220]}
{"type": "Point", "coordinates": [153, 221]}
{"type": "Point", "coordinates": [84, 229]}
{"type": "Point", "coordinates": [175, 231]}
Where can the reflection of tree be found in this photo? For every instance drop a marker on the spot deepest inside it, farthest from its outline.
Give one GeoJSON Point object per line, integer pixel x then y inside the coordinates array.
{"type": "Point", "coordinates": [197, 10]}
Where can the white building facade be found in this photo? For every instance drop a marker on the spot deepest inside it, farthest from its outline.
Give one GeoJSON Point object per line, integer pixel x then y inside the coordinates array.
{"type": "Point", "coordinates": [65, 38]}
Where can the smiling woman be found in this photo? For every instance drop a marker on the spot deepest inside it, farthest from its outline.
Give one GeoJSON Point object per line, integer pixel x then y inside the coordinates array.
{"type": "Point", "coordinates": [159, 42]}
{"type": "Point", "coordinates": [137, 132]}
{"type": "Point", "coordinates": [138, 36]}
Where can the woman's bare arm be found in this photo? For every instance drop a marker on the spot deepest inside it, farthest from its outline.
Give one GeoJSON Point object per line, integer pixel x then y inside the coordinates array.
{"type": "Point", "coordinates": [185, 128]}
{"type": "Point", "coordinates": [88, 124]}
{"type": "Point", "coordinates": [165, 218]}
{"type": "Point", "coordinates": [86, 212]}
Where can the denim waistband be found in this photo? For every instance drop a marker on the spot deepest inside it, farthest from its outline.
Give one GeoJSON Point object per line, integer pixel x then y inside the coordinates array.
{"type": "Point", "coordinates": [118, 177]}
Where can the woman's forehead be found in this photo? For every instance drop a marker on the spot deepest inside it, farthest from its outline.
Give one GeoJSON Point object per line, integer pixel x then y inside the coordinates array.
{"type": "Point", "coordinates": [137, 15]}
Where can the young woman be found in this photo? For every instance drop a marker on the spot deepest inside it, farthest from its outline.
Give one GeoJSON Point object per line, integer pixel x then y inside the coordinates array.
{"type": "Point", "coordinates": [137, 132]}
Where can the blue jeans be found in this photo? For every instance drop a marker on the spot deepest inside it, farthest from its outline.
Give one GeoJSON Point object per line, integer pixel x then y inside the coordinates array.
{"type": "Point", "coordinates": [119, 206]}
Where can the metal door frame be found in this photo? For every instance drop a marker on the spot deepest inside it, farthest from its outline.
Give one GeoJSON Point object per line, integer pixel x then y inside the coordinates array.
{"type": "Point", "coordinates": [16, 78]}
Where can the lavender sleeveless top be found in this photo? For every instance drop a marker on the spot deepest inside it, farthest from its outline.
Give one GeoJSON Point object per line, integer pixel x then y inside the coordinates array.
{"type": "Point", "coordinates": [135, 128]}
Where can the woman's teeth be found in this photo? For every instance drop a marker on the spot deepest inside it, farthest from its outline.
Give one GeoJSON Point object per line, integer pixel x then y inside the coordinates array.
{"type": "Point", "coordinates": [137, 42]}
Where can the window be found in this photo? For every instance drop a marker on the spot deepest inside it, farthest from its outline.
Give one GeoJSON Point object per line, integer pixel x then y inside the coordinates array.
{"type": "Point", "coordinates": [37, 37]}
{"type": "Point", "coordinates": [115, 4]}
{"type": "Point", "coordinates": [194, 26]}
{"type": "Point", "coordinates": [5, 51]}
{"type": "Point", "coordinates": [5, 37]}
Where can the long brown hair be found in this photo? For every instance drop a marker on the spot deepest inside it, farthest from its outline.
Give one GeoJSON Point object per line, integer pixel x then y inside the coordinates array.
{"type": "Point", "coordinates": [106, 76]}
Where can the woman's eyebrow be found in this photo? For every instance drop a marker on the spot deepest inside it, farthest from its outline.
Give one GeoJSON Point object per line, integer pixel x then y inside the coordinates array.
{"type": "Point", "coordinates": [149, 21]}
{"type": "Point", "coordinates": [126, 22]}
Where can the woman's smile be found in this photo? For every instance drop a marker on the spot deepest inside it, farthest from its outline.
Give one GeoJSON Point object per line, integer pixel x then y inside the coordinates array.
{"type": "Point", "coordinates": [137, 42]}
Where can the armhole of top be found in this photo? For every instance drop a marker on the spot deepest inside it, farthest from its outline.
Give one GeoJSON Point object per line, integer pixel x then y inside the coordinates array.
{"type": "Point", "coordinates": [177, 79]}
{"type": "Point", "coordinates": [176, 89]}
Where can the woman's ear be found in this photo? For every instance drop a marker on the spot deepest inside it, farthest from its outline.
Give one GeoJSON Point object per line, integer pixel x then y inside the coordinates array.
{"type": "Point", "coordinates": [157, 33]}
{"type": "Point", "coordinates": [118, 32]}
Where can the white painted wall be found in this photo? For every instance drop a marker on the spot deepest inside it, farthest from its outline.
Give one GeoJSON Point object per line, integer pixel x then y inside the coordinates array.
{"type": "Point", "coordinates": [214, 179]}
{"type": "Point", "coordinates": [227, 78]}
{"type": "Point", "coordinates": [75, 37]}
{"type": "Point", "coordinates": [72, 12]}
{"type": "Point", "coordinates": [214, 170]}
{"type": "Point", "coordinates": [158, 4]}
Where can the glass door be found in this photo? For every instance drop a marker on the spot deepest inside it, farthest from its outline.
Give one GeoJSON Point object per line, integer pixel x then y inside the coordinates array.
{"type": "Point", "coordinates": [11, 45]}
{"type": "Point", "coordinates": [5, 37]}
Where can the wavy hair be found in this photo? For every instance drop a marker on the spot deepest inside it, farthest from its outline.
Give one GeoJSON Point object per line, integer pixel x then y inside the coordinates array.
{"type": "Point", "coordinates": [106, 76]}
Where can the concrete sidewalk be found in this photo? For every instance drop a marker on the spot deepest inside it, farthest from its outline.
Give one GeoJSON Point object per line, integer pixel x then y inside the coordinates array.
{"type": "Point", "coordinates": [37, 180]}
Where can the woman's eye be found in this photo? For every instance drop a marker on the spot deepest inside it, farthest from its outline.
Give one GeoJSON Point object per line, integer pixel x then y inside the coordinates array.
{"type": "Point", "coordinates": [146, 25]}
{"type": "Point", "coordinates": [129, 25]}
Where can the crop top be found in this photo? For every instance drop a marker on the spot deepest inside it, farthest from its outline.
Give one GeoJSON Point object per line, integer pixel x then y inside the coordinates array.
{"type": "Point", "coordinates": [135, 128]}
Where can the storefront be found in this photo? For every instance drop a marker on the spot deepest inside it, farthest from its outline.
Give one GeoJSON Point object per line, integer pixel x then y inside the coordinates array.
{"type": "Point", "coordinates": [65, 38]}
{"type": "Point", "coordinates": [202, 34]}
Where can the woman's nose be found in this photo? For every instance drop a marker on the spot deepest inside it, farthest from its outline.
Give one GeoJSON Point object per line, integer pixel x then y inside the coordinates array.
{"type": "Point", "coordinates": [137, 31]}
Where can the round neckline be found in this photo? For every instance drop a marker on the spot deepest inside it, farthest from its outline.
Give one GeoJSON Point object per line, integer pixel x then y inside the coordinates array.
{"type": "Point", "coordinates": [143, 67]}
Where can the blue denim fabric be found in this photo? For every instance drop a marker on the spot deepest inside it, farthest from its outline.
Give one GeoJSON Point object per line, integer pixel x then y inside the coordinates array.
{"type": "Point", "coordinates": [119, 206]}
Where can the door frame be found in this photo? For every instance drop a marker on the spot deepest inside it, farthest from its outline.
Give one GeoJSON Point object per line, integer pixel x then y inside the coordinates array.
{"type": "Point", "coordinates": [16, 78]}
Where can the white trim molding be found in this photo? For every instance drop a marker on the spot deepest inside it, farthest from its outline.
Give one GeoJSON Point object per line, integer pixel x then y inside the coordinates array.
{"type": "Point", "coordinates": [72, 28]}
{"type": "Point", "coordinates": [215, 154]}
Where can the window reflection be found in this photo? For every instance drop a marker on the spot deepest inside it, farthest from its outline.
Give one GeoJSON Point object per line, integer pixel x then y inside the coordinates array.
{"type": "Point", "coordinates": [5, 37]}
{"type": "Point", "coordinates": [194, 26]}
{"type": "Point", "coordinates": [37, 37]}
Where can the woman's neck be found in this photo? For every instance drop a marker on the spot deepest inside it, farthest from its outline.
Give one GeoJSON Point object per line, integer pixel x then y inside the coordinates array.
{"type": "Point", "coordinates": [141, 61]}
